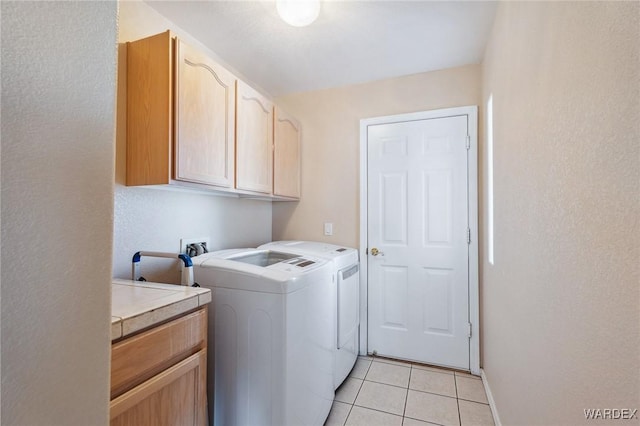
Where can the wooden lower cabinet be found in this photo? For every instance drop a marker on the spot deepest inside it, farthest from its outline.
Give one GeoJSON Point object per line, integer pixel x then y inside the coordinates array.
{"type": "Point", "coordinates": [174, 397]}
{"type": "Point", "coordinates": [170, 388]}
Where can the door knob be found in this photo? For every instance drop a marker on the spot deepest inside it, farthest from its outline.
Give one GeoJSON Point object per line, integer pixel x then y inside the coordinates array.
{"type": "Point", "coordinates": [376, 252]}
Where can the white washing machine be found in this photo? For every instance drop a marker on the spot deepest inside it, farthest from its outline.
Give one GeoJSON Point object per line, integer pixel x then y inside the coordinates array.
{"type": "Point", "coordinates": [270, 337]}
{"type": "Point", "coordinates": [346, 296]}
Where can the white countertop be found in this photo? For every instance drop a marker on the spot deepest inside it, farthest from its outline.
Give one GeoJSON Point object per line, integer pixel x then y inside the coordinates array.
{"type": "Point", "coordinates": [139, 304]}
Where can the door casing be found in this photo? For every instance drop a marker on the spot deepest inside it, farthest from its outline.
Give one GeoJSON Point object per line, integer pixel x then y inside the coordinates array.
{"type": "Point", "coordinates": [472, 184]}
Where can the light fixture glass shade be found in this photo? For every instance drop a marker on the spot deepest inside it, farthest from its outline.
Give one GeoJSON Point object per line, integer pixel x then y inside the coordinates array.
{"type": "Point", "coordinates": [298, 13]}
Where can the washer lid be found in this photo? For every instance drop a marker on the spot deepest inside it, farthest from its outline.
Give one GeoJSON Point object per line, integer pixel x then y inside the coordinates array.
{"type": "Point", "coordinates": [266, 271]}
{"type": "Point", "coordinates": [262, 258]}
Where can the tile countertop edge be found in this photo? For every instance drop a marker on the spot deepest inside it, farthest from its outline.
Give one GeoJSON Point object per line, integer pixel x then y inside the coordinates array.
{"type": "Point", "coordinates": [116, 327]}
{"type": "Point", "coordinates": [204, 298]}
{"type": "Point", "coordinates": [155, 316]}
{"type": "Point", "coordinates": [181, 300]}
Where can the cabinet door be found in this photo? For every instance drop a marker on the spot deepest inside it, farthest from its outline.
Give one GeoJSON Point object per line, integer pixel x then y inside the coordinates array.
{"type": "Point", "coordinates": [286, 155]}
{"type": "Point", "coordinates": [140, 357]}
{"type": "Point", "coordinates": [176, 396]}
{"type": "Point", "coordinates": [204, 117]}
{"type": "Point", "coordinates": [254, 140]}
{"type": "Point", "coordinates": [149, 102]}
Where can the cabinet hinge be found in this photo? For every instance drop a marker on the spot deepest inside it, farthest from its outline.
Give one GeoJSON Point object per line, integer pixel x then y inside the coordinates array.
{"type": "Point", "coordinates": [468, 235]}
{"type": "Point", "coordinates": [469, 328]}
{"type": "Point", "coordinates": [468, 142]}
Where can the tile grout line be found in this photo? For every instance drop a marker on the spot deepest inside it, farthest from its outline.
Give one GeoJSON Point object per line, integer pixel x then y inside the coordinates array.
{"type": "Point", "coordinates": [455, 381]}
{"type": "Point", "coordinates": [367, 372]}
{"type": "Point", "coordinates": [379, 411]}
{"type": "Point", "coordinates": [425, 367]}
{"type": "Point", "coordinates": [467, 376]}
{"type": "Point", "coordinates": [387, 384]}
{"type": "Point", "coordinates": [359, 389]}
{"type": "Point", "coordinates": [406, 398]}
{"type": "Point", "coordinates": [392, 362]}
{"type": "Point", "coordinates": [357, 393]}
{"type": "Point", "coordinates": [421, 366]}
{"type": "Point", "coordinates": [475, 402]}
{"type": "Point", "coordinates": [424, 421]}
{"type": "Point", "coordinates": [393, 365]}
{"type": "Point", "coordinates": [375, 409]}
{"type": "Point", "coordinates": [353, 403]}
{"type": "Point", "coordinates": [348, 414]}
{"type": "Point", "coordinates": [434, 370]}
{"type": "Point", "coordinates": [436, 394]}
{"type": "Point", "coordinates": [411, 367]}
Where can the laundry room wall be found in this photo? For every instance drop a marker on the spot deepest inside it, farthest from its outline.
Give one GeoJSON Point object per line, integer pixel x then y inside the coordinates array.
{"type": "Point", "coordinates": [330, 122]}
{"type": "Point", "coordinates": [561, 325]}
{"type": "Point", "coordinates": [58, 103]}
{"type": "Point", "coordinates": [156, 219]}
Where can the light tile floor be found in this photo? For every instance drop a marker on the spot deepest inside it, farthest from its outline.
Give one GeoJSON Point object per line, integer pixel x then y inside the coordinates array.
{"type": "Point", "coordinates": [385, 392]}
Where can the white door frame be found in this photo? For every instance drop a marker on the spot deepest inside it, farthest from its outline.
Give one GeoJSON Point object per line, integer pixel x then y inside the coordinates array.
{"type": "Point", "coordinates": [472, 184]}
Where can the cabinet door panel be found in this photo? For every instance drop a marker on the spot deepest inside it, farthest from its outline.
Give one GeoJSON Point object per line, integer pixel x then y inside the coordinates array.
{"type": "Point", "coordinates": [254, 140]}
{"type": "Point", "coordinates": [204, 116]}
{"type": "Point", "coordinates": [136, 359]}
{"type": "Point", "coordinates": [149, 103]}
{"type": "Point", "coordinates": [176, 396]}
{"type": "Point", "coordinates": [286, 155]}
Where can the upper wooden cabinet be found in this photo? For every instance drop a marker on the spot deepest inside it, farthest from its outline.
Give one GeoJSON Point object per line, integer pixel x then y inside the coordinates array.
{"type": "Point", "coordinates": [191, 121]}
{"type": "Point", "coordinates": [286, 155]}
{"type": "Point", "coordinates": [205, 119]}
{"type": "Point", "coordinates": [149, 110]}
{"type": "Point", "coordinates": [200, 103]}
{"type": "Point", "coordinates": [254, 140]}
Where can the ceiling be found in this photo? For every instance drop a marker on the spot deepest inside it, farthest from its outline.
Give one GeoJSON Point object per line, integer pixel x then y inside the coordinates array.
{"type": "Point", "coordinates": [351, 42]}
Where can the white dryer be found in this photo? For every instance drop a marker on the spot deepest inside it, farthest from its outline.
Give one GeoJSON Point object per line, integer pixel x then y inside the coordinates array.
{"type": "Point", "coordinates": [346, 294]}
{"type": "Point", "coordinates": [270, 353]}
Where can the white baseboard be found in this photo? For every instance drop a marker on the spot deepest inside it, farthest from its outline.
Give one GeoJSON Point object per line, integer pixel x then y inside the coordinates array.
{"type": "Point", "coordinates": [492, 403]}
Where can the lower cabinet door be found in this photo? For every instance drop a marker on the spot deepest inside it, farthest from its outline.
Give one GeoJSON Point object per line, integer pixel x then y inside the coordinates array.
{"type": "Point", "coordinates": [175, 397]}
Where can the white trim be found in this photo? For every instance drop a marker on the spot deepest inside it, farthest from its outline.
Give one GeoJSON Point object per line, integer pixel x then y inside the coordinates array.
{"type": "Point", "coordinates": [474, 301]}
{"type": "Point", "coordinates": [364, 297]}
{"type": "Point", "coordinates": [492, 402]}
{"type": "Point", "coordinates": [474, 295]}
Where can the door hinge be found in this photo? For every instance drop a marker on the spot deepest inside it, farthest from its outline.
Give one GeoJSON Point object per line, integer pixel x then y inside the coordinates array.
{"type": "Point", "coordinates": [468, 142]}
{"type": "Point", "coordinates": [468, 235]}
{"type": "Point", "coordinates": [469, 329]}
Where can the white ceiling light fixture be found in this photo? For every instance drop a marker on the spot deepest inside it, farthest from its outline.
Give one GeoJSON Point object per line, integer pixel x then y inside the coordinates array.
{"type": "Point", "coordinates": [298, 13]}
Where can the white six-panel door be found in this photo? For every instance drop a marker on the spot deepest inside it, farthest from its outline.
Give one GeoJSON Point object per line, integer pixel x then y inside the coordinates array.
{"type": "Point", "coordinates": [418, 253]}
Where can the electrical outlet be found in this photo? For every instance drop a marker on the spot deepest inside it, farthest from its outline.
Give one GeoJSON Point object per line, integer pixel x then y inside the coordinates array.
{"type": "Point", "coordinates": [184, 242]}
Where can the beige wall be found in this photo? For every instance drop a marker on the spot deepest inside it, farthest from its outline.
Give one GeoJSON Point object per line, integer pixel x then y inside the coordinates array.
{"type": "Point", "coordinates": [330, 122]}
{"type": "Point", "coordinates": [153, 219]}
{"type": "Point", "coordinates": [561, 301]}
{"type": "Point", "coordinates": [58, 102]}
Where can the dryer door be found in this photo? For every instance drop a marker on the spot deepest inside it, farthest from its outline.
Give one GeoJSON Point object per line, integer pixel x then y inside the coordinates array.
{"type": "Point", "coordinates": [348, 304]}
